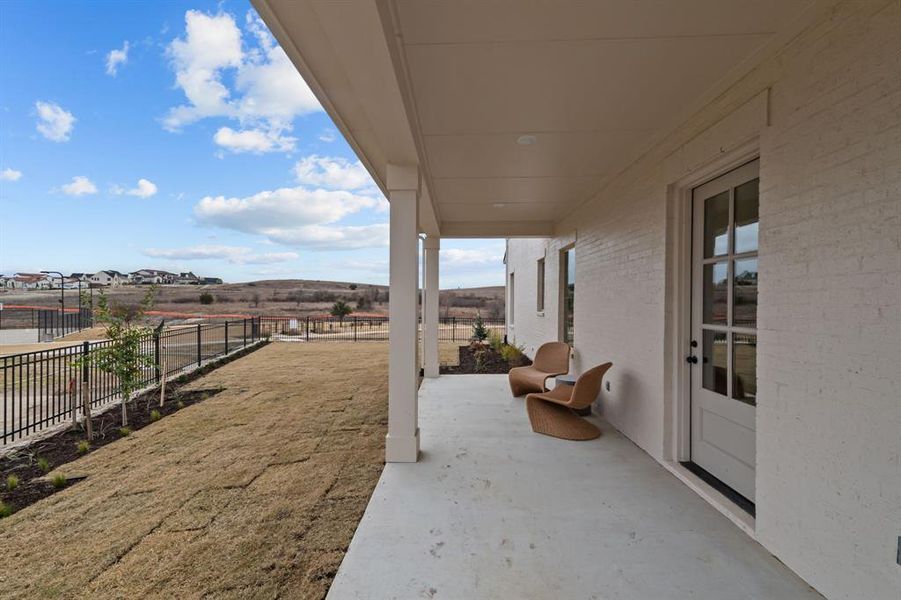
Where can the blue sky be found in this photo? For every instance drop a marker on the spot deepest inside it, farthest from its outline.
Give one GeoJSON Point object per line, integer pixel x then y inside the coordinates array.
{"type": "Point", "coordinates": [178, 136]}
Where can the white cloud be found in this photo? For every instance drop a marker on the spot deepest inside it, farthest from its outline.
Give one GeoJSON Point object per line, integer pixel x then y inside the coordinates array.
{"type": "Point", "coordinates": [256, 141]}
{"type": "Point", "coordinates": [268, 91]}
{"type": "Point", "coordinates": [10, 175]}
{"type": "Point", "coordinates": [296, 216]}
{"type": "Point", "coordinates": [333, 237]}
{"type": "Point", "coordinates": [115, 58]}
{"type": "Point", "coordinates": [54, 122]}
{"type": "Point", "coordinates": [464, 258]}
{"type": "Point", "coordinates": [79, 186]}
{"type": "Point", "coordinates": [328, 136]}
{"type": "Point", "coordinates": [233, 254]}
{"type": "Point", "coordinates": [144, 189]}
{"type": "Point", "coordinates": [332, 173]}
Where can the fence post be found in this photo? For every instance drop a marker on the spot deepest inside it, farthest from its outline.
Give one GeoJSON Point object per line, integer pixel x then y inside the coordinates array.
{"type": "Point", "coordinates": [199, 353]}
{"type": "Point", "coordinates": [355, 329]}
{"type": "Point", "coordinates": [244, 322]}
{"type": "Point", "coordinates": [86, 390]}
{"type": "Point", "coordinates": [156, 354]}
{"type": "Point", "coordinates": [226, 336]}
{"type": "Point", "coordinates": [453, 329]}
{"type": "Point", "coordinates": [307, 335]}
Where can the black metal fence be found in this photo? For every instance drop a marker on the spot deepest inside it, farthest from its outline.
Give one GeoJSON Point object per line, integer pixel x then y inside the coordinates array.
{"type": "Point", "coordinates": [50, 323]}
{"type": "Point", "coordinates": [53, 323]}
{"type": "Point", "coordinates": [360, 329]}
{"type": "Point", "coordinates": [44, 388]}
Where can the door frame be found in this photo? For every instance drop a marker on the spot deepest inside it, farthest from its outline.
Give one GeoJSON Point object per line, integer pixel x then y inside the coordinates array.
{"type": "Point", "coordinates": [677, 400]}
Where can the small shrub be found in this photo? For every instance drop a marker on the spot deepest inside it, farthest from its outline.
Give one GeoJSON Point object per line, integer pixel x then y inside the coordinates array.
{"type": "Point", "coordinates": [495, 341]}
{"type": "Point", "coordinates": [512, 353]}
{"type": "Point", "coordinates": [341, 309]}
{"type": "Point", "coordinates": [12, 482]}
{"type": "Point", "coordinates": [155, 415]}
{"type": "Point", "coordinates": [82, 447]}
{"type": "Point", "coordinates": [58, 481]}
{"type": "Point", "coordinates": [181, 404]}
{"type": "Point", "coordinates": [5, 509]}
{"type": "Point", "coordinates": [352, 286]}
{"type": "Point", "coordinates": [480, 362]}
{"type": "Point", "coordinates": [43, 464]}
{"type": "Point", "coordinates": [125, 431]}
{"type": "Point", "coordinates": [206, 298]}
{"type": "Point", "coordinates": [479, 331]}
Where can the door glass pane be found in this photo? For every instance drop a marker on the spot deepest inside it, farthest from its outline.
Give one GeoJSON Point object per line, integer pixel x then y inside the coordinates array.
{"type": "Point", "coordinates": [714, 362]}
{"type": "Point", "coordinates": [569, 294]}
{"type": "Point", "coordinates": [744, 288]}
{"type": "Point", "coordinates": [716, 225]}
{"type": "Point", "coordinates": [716, 292]}
{"type": "Point", "coordinates": [747, 203]}
{"type": "Point", "coordinates": [744, 368]}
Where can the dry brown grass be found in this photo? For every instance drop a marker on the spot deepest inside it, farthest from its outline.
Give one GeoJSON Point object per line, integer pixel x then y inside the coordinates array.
{"type": "Point", "coordinates": [254, 493]}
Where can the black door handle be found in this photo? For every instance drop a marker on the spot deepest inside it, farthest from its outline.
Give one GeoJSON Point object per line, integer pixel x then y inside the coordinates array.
{"type": "Point", "coordinates": [692, 359]}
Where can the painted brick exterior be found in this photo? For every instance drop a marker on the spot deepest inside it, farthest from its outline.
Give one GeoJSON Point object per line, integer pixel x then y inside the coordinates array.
{"type": "Point", "coordinates": [826, 110]}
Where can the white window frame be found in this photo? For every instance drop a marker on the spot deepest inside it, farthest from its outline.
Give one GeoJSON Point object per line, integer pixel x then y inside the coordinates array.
{"type": "Point", "coordinates": [541, 266]}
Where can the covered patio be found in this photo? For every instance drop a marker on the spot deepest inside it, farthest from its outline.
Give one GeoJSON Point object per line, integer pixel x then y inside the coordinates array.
{"type": "Point", "coordinates": [652, 166]}
{"type": "Point", "coordinates": [494, 510]}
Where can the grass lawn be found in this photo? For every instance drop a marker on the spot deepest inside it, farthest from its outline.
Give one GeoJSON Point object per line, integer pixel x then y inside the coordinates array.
{"type": "Point", "coordinates": [254, 493]}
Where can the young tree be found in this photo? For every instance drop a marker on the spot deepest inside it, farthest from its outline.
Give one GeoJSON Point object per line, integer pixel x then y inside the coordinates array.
{"type": "Point", "coordinates": [206, 298]}
{"type": "Point", "coordinates": [341, 309]}
{"type": "Point", "coordinates": [479, 331]}
{"type": "Point", "coordinates": [122, 357]}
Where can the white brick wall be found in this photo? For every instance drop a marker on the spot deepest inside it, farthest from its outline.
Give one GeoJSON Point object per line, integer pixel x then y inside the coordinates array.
{"type": "Point", "coordinates": [829, 354]}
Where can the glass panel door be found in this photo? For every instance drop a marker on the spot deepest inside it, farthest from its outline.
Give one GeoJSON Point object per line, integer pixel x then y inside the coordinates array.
{"type": "Point", "coordinates": [724, 327]}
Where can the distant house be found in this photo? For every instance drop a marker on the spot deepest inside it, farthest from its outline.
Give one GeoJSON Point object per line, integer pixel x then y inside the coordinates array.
{"type": "Point", "coordinates": [80, 276]}
{"type": "Point", "coordinates": [211, 280]}
{"type": "Point", "coordinates": [29, 281]}
{"type": "Point", "coordinates": [188, 278]}
{"type": "Point", "coordinates": [152, 276]}
{"type": "Point", "coordinates": [108, 278]}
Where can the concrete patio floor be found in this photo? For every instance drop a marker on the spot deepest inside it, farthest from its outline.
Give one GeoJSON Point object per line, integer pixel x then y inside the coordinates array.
{"type": "Point", "coordinates": [494, 510]}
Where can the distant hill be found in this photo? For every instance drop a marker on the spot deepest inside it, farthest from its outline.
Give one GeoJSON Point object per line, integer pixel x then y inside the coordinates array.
{"type": "Point", "coordinates": [297, 297]}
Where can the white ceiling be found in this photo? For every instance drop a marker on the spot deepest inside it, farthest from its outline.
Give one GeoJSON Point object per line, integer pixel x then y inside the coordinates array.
{"type": "Point", "coordinates": [593, 81]}
{"type": "Point", "coordinates": [451, 85]}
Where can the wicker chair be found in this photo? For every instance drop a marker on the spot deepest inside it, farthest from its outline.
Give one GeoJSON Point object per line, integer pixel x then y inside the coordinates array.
{"type": "Point", "coordinates": [552, 359]}
{"type": "Point", "coordinates": [578, 396]}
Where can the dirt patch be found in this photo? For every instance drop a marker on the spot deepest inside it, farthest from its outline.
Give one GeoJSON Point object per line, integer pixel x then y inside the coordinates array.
{"type": "Point", "coordinates": [28, 465]}
{"type": "Point", "coordinates": [481, 359]}
{"type": "Point", "coordinates": [252, 493]}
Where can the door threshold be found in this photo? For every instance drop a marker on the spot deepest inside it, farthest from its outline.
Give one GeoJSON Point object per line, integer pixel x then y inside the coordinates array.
{"type": "Point", "coordinates": [714, 497]}
{"type": "Point", "coordinates": [711, 480]}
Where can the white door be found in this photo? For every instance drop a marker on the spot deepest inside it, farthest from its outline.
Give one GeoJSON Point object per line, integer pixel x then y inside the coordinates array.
{"type": "Point", "coordinates": [724, 327]}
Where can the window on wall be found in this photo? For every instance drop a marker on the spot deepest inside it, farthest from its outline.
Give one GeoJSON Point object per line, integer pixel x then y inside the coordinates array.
{"type": "Point", "coordinates": [540, 299]}
{"type": "Point", "coordinates": [511, 294]}
{"type": "Point", "coordinates": [568, 283]}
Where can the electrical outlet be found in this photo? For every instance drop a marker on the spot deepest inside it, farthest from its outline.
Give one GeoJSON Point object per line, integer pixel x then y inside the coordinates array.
{"type": "Point", "coordinates": [607, 385]}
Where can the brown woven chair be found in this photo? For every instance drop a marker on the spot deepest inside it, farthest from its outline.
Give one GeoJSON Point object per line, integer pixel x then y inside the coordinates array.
{"type": "Point", "coordinates": [552, 359]}
{"type": "Point", "coordinates": [559, 422]}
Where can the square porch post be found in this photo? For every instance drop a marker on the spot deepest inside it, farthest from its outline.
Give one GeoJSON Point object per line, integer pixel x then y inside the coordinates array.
{"type": "Point", "coordinates": [402, 441]}
{"type": "Point", "coordinates": [431, 247]}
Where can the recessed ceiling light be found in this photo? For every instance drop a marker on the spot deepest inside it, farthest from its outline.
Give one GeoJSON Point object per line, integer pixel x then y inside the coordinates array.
{"type": "Point", "coordinates": [526, 140]}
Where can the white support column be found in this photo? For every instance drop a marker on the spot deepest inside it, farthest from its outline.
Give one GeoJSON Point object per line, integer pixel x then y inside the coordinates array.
{"type": "Point", "coordinates": [431, 247]}
{"type": "Point", "coordinates": [402, 441]}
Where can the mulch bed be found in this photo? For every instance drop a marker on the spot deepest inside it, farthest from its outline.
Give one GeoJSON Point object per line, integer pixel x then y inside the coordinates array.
{"type": "Point", "coordinates": [490, 362]}
{"type": "Point", "coordinates": [62, 447]}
